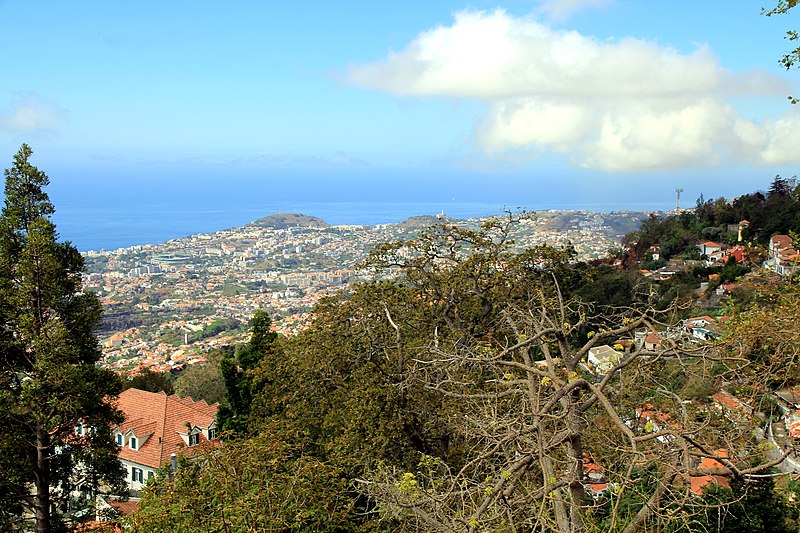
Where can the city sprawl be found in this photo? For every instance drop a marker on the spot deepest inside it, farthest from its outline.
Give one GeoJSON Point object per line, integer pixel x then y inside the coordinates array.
{"type": "Point", "coordinates": [165, 305]}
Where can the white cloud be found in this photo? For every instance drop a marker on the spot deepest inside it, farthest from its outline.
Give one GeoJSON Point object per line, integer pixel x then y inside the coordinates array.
{"type": "Point", "coordinates": [781, 145]}
{"type": "Point", "coordinates": [623, 105]}
{"type": "Point", "coordinates": [646, 136]}
{"type": "Point", "coordinates": [32, 115]}
{"type": "Point", "coordinates": [525, 121]}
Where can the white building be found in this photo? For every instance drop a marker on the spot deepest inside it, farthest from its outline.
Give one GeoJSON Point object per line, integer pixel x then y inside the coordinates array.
{"type": "Point", "coordinates": [603, 358]}
{"type": "Point", "coordinates": [158, 427]}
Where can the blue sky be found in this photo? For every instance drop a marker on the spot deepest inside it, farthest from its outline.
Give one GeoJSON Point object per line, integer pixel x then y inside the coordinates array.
{"type": "Point", "coordinates": [600, 95]}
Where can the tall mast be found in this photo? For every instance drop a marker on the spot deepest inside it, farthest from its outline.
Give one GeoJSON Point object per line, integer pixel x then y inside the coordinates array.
{"type": "Point", "coordinates": [678, 191]}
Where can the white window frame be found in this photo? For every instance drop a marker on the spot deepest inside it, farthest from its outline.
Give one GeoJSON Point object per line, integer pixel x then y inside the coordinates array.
{"type": "Point", "coordinates": [133, 442]}
{"type": "Point", "coordinates": [120, 439]}
{"type": "Point", "coordinates": [194, 438]}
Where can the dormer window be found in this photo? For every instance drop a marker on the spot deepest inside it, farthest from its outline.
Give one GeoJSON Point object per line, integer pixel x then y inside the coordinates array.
{"type": "Point", "coordinates": [134, 442]}
{"type": "Point", "coordinates": [79, 430]}
{"type": "Point", "coordinates": [212, 433]}
{"type": "Point", "coordinates": [194, 439]}
{"type": "Point", "coordinates": [119, 439]}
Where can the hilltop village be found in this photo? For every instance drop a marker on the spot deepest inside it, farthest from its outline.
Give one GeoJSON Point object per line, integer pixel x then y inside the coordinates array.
{"type": "Point", "coordinates": [166, 305]}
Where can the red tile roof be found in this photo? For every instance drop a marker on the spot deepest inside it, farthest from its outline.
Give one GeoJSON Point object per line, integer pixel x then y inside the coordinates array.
{"type": "Point", "coordinates": [652, 338]}
{"type": "Point", "coordinates": [589, 465]}
{"type": "Point", "coordinates": [124, 508]}
{"type": "Point", "coordinates": [699, 483]}
{"type": "Point", "coordinates": [705, 318]}
{"type": "Point", "coordinates": [739, 253]}
{"type": "Point", "coordinates": [157, 421]}
{"type": "Point", "coordinates": [710, 462]}
{"type": "Point", "coordinates": [781, 241]}
{"type": "Point", "coordinates": [651, 414]}
{"type": "Point", "coordinates": [726, 399]}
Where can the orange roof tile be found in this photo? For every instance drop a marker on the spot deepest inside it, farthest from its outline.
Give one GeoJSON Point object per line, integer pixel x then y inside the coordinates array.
{"type": "Point", "coordinates": [699, 483]}
{"type": "Point", "coordinates": [698, 318]}
{"type": "Point", "coordinates": [163, 418]}
{"type": "Point", "coordinates": [726, 399]}
{"type": "Point", "coordinates": [783, 240]}
{"type": "Point", "coordinates": [124, 508]}
{"type": "Point", "coordinates": [589, 464]}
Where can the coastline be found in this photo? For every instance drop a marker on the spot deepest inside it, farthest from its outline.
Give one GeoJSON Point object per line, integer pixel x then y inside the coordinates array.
{"type": "Point", "coordinates": [114, 227]}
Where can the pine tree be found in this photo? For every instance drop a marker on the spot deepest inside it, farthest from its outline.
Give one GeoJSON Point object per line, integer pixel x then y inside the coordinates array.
{"type": "Point", "coordinates": [55, 412]}
{"type": "Point", "coordinates": [237, 373]}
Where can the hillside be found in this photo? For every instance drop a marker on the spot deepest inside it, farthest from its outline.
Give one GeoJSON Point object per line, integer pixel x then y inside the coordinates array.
{"type": "Point", "coordinates": [420, 221]}
{"type": "Point", "coordinates": [290, 220]}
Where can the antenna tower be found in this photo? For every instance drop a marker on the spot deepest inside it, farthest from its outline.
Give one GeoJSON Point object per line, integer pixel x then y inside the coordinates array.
{"type": "Point", "coordinates": [678, 191]}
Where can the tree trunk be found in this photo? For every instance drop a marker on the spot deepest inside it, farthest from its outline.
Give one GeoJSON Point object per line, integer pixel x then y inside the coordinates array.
{"type": "Point", "coordinates": [576, 489]}
{"type": "Point", "coordinates": [42, 502]}
{"type": "Point", "coordinates": [559, 507]}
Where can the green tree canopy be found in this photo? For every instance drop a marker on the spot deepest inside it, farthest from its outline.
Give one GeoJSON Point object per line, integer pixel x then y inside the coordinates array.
{"type": "Point", "coordinates": [237, 374]}
{"type": "Point", "coordinates": [152, 381]}
{"type": "Point", "coordinates": [458, 397]}
{"type": "Point", "coordinates": [54, 400]}
{"type": "Point", "coordinates": [204, 382]}
{"type": "Point", "coordinates": [258, 484]}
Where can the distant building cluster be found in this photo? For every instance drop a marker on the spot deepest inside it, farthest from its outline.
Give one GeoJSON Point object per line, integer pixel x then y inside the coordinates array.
{"type": "Point", "coordinates": [154, 294]}
{"type": "Point", "coordinates": [144, 271]}
{"type": "Point", "coordinates": [782, 257]}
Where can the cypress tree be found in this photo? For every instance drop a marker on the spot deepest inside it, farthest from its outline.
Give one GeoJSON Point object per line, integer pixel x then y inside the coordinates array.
{"type": "Point", "coordinates": [237, 373]}
{"type": "Point", "coordinates": [55, 413]}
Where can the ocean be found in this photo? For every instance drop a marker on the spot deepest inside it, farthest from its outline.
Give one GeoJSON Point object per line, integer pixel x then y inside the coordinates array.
{"type": "Point", "coordinates": [102, 227]}
{"type": "Point", "coordinates": [109, 228]}
{"type": "Point", "coordinates": [101, 213]}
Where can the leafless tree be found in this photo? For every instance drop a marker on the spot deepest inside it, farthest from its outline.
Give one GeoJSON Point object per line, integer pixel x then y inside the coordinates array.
{"type": "Point", "coordinates": [551, 442]}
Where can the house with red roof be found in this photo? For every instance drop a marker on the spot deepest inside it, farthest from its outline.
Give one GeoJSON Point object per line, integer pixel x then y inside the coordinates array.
{"type": "Point", "coordinates": [594, 476]}
{"type": "Point", "coordinates": [158, 428]}
{"type": "Point", "coordinates": [739, 253]}
{"type": "Point", "coordinates": [732, 408]}
{"type": "Point", "coordinates": [652, 342]}
{"type": "Point", "coordinates": [651, 420]}
{"type": "Point", "coordinates": [709, 247]}
{"type": "Point", "coordinates": [783, 258]}
{"type": "Point", "coordinates": [699, 483]}
{"type": "Point", "coordinates": [700, 327]}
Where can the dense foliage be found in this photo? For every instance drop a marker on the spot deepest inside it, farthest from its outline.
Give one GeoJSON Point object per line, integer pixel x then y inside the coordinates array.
{"type": "Point", "coordinates": [49, 383]}
{"type": "Point", "coordinates": [204, 382]}
{"type": "Point", "coordinates": [765, 213]}
{"type": "Point", "coordinates": [261, 484]}
{"type": "Point", "coordinates": [237, 373]}
{"type": "Point", "coordinates": [151, 381]}
{"type": "Point", "coordinates": [457, 398]}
